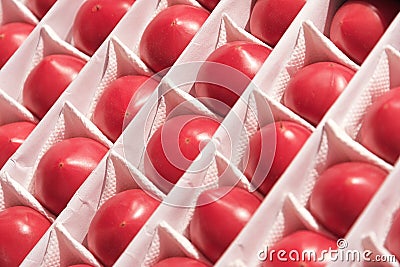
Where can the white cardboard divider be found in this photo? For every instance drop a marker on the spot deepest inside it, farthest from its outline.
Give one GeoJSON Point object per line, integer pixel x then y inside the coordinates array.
{"type": "Point", "coordinates": [12, 111]}
{"type": "Point", "coordinates": [326, 147]}
{"type": "Point", "coordinates": [13, 194]}
{"type": "Point", "coordinates": [171, 243]}
{"type": "Point", "coordinates": [15, 11]}
{"type": "Point", "coordinates": [58, 239]}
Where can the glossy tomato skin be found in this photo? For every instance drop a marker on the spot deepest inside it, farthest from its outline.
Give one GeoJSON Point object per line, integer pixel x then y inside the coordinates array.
{"type": "Point", "coordinates": [48, 80]}
{"type": "Point", "coordinates": [174, 146]}
{"type": "Point", "coordinates": [270, 18]}
{"type": "Point", "coordinates": [12, 136]}
{"type": "Point", "coordinates": [95, 20]}
{"type": "Point", "coordinates": [117, 222]}
{"type": "Point", "coordinates": [12, 35]}
{"type": "Point", "coordinates": [379, 125]}
{"type": "Point", "coordinates": [314, 88]}
{"type": "Point", "coordinates": [40, 7]}
{"type": "Point", "coordinates": [240, 61]}
{"type": "Point", "coordinates": [20, 229]}
{"type": "Point", "coordinates": [392, 242]}
{"type": "Point", "coordinates": [215, 225]}
{"type": "Point", "coordinates": [63, 168]}
{"type": "Point", "coordinates": [358, 25]}
{"type": "Point", "coordinates": [180, 262]}
{"type": "Point", "coordinates": [274, 145]}
{"type": "Point", "coordinates": [111, 111]}
{"type": "Point", "coordinates": [301, 241]}
{"type": "Point", "coordinates": [209, 4]}
{"type": "Point", "coordinates": [168, 34]}
{"type": "Point", "coordinates": [341, 193]}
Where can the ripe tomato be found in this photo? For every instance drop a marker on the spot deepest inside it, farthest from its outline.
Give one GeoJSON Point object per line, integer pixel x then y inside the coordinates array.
{"type": "Point", "coordinates": [168, 34]}
{"type": "Point", "coordinates": [209, 4]}
{"type": "Point", "coordinates": [63, 168]}
{"type": "Point", "coordinates": [11, 138]}
{"type": "Point", "coordinates": [357, 25]}
{"type": "Point", "coordinates": [95, 20]}
{"type": "Point", "coordinates": [112, 109]}
{"type": "Point", "coordinates": [174, 146]}
{"type": "Point", "coordinates": [270, 18]}
{"type": "Point", "coordinates": [216, 224]}
{"type": "Point", "coordinates": [20, 229]}
{"type": "Point", "coordinates": [393, 237]}
{"type": "Point", "coordinates": [379, 125]}
{"type": "Point", "coordinates": [40, 7]}
{"type": "Point", "coordinates": [341, 193]}
{"type": "Point", "coordinates": [271, 149]}
{"type": "Point", "coordinates": [296, 245]}
{"type": "Point", "coordinates": [313, 89]}
{"type": "Point", "coordinates": [48, 80]}
{"type": "Point", "coordinates": [220, 86]}
{"type": "Point", "coordinates": [12, 35]}
{"type": "Point", "coordinates": [117, 222]}
{"type": "Point", "coordinates": [181, 262]}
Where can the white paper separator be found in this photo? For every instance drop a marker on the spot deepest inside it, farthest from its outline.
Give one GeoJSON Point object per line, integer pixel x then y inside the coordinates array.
{"type": "Point", "coordinates": [15, 11]}
{"type": "Point", "coordinates": [58, 239]}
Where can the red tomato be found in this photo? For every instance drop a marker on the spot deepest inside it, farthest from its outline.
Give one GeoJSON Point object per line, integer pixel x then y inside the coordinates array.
{"type": "Point", "coordinates": [95, 20]}
{"type": "Point", "coordinates": [341, 193]}
{"type": "Point", "coordinates": [313, 89]}
{"type": "Point", "coordinates": [11, 138]}
{"type": "Point", "coordinates": [63, 168]}
{"type": "Point", "coordinates": [168, 34]}
{"type": "Point", "coordinates": [80, 265]}
{"type": "Point", "coordinates": [40, 7]}
{"type": "Point", "coordinates": [271, 149]}
{"type": "Point", "coordinates": [393, 237]}
{"type": "Point", "coordinates": [180, 262]}
{"type": "Point", "coordinates": [12, 35]}
{"type": "Point", "coordinates": [216, 224]}
{"type": "Point", "coordinates": [380, 123]}
{"type": "Point", "coordinates": [174, 146]}
{"type": "Point", "coordinates": [20, 229]}
{"type": "Point", "coordinates": [209, 4]}
{"type": "Point", "coordinates": [220, 92]}
{"type": "Point", "coordinates": [270, 18]}
{"type": "Point", "coordinates": [112, 109]}
{"type": "Point", "coordinates": [357, 25]}
{"type": "Point", "coordinates": [295, 245]}
{"type": "Point", "coordinates": [117, 222]}
{"type": "Point", "coordinates": [48, 80]}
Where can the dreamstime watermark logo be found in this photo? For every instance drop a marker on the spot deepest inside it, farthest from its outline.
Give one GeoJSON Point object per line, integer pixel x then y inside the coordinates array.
{"type": "Point", "coordinates": [183, 91]}
{"type": "Point", "coordinates": [339, 254]}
